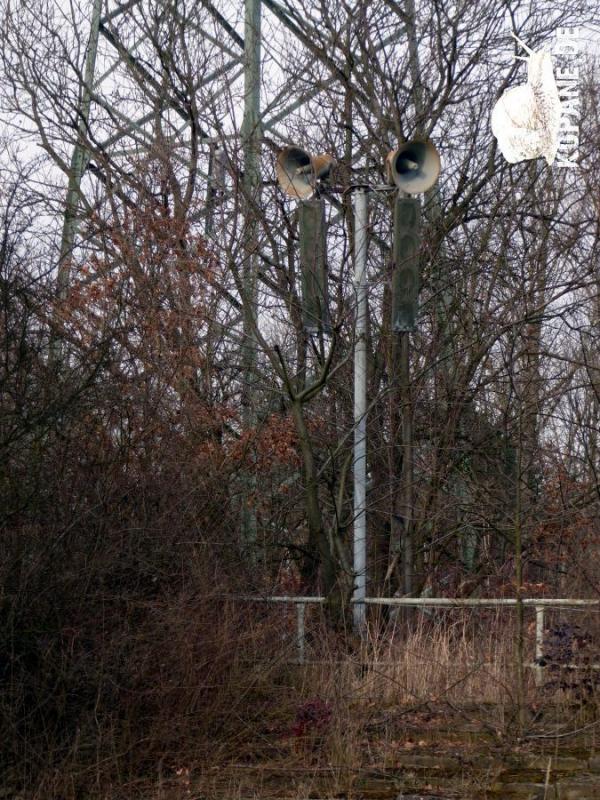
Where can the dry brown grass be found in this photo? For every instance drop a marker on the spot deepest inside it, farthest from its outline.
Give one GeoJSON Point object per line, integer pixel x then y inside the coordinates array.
{"type": "Point", "coordinates": [451, 657]}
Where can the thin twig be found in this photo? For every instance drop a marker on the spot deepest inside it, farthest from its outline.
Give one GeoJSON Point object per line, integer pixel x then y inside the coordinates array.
{"type": "Point", "coordinates": [563, 735]}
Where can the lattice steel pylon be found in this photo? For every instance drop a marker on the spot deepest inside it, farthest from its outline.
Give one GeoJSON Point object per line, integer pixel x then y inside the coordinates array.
{"type": "Point", "coordinates": [163, 75]}
{"type": "Point", "coordinates": [128, 97]}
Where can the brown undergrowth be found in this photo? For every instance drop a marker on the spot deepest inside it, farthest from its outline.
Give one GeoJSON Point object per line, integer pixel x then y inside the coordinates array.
{"type": "Point", "coordinates": [185, 693]}
{"type": "Point", "coordinates": [118, 669]}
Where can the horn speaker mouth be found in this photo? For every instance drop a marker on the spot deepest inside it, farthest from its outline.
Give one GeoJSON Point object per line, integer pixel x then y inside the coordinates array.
{"type": "Point", "coordinates": [295, 159]}
{"type": "Point", "coordinates": [415, 166]}
{"type": "Point", "coordinates": [295, 173]}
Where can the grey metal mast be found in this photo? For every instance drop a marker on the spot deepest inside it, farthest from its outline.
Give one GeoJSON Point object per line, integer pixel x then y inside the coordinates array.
{"type": "Point", "coordinates": [360, 409]}
{"type": "Point", "coordinates": [251, 139]}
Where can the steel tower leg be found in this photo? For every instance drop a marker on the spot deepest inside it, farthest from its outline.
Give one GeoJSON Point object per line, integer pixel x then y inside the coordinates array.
{"type": "Point", "coordinates": [251, 139]}
{"type": "Point", "coordinates": [78, 159]}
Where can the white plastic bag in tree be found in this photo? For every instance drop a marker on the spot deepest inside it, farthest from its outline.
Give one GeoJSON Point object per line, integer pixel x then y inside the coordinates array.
{"type": "Point", "coordinates": [526, 119]}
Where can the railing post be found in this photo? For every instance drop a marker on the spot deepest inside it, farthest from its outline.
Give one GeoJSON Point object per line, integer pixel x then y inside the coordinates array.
{"type": "Point", "coordinates": [539, 644]}
{"type": "Point", "coordinates": [300, 609]}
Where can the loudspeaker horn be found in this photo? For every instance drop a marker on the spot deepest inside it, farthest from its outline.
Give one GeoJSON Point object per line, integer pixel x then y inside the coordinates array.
{"type": "Point", "coordinates": [414, 167]}
{"type": "Point", "coordinates": [299, 171]}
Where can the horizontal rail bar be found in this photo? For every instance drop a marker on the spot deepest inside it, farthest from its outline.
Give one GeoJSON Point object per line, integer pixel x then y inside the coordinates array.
{"type": "Point", "coordinates": [281, 599]}
{"type": "Point", "coordinates": [477, 601]}
{"type": "Point", "coordinates": [538, 603]}
{"type": "Point", "coordinates": [441, 602]}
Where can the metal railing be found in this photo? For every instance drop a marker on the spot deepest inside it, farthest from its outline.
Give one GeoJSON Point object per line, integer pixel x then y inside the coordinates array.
{"type": "Point", "coordinates": [538, 603]}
